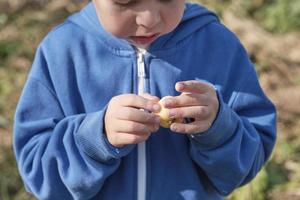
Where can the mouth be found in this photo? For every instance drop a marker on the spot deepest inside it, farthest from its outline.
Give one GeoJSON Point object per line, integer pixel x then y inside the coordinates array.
{"type": "Point", "coordinates": [143, 40]}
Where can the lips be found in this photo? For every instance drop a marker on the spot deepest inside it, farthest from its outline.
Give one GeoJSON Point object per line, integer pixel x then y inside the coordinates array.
{"type": "Point", "coordinates": [144, 40]}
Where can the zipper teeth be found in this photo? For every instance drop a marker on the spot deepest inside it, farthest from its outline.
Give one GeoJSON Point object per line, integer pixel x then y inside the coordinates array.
{"type": "Point", "coordinates": [141, 185]}
{"type": "Point", "coordinates": [141, 72]}
{"type": "Point", "coordinates": [141, 174]}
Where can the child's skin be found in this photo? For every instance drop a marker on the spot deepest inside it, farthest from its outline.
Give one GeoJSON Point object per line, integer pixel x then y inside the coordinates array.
{"type": "Point", "coordinates": [126, 124]}
{"type": "Point", "coordinates": [131, 19]}
{"type": "Point", "coordinates": [141, 22]}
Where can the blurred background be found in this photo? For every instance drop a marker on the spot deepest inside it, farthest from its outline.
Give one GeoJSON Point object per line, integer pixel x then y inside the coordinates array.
{"type": "Point", "coordinates": [270, 31]}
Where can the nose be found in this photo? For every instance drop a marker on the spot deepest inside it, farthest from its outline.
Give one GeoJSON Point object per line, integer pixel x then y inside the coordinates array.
{"type": "Point", "coordinates": [148, 18]}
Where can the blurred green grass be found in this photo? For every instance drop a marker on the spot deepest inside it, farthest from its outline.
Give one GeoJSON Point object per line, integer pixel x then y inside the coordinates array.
{"type": "Point", "coordinates": [23, 25]}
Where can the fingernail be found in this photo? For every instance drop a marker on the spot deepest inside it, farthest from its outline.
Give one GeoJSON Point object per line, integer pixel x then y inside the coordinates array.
{"type": "Point", "coordinates": [156, 107]}
{"type": "Point", "coordinates": [167, 103]}
{"type": "Point", "coordinates": [180, 86]}
{"type": "Point", "coordinates": [173, 127]}
{"type": "Point", "coordinates": [157, 120]}
{"type": "Point", "coordinates": [172, 113]}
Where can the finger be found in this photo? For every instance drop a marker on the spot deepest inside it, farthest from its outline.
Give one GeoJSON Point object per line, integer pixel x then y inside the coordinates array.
{"type": "Point", "coordinates": [132, 127]}
{"type": "Point", "coordinates": [191, 128]}
{"type": "Point", "coordinates": [150, 97]}
{"type": "Point", "coordinates": [127, 138]}
{"type": "Point", "coordinates": [186, 99]}
{"type": "Point", "coordinates": [136, 101]}
{"type": "Point", "coordinates": [197, 112]}
{"type": "Point", "coordinates": [193, 86]}
{"type": "Point", "coordinates": [137, 115]}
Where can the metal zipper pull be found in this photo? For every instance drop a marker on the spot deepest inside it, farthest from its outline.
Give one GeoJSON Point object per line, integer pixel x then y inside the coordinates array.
{"type": "Point", "coordinates": [141, 70]}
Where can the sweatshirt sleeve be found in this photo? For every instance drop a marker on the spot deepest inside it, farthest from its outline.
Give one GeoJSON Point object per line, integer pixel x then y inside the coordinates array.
{"type": "Point", "coordinates": [58, 156]}
{"type": "Point", "coordinates": [242, 136]}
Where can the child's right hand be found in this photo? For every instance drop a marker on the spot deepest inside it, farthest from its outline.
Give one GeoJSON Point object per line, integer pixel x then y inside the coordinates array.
{"type": "Point", "coordinates": [126, 122]}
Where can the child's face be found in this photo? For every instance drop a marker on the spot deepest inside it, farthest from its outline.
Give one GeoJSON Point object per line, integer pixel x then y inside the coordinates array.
{"type": "Point", "coordinates": [139, 21]}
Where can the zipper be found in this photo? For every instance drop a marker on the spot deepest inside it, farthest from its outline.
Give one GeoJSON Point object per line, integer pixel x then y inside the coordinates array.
{"type": "Point", "coordinates": [141, 70]}
{"type": "Point", "coordinates": [141, 161]}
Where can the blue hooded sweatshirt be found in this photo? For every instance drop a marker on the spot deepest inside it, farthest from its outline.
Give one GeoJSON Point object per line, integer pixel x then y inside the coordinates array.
{"type": "Point", "coordinates": [59, 141]}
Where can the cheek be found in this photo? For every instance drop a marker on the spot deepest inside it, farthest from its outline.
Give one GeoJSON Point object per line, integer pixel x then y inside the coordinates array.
{"type": "Point", "coordinates": [118, 25]}
{"type": "Point", "coordinates": [172, 19]}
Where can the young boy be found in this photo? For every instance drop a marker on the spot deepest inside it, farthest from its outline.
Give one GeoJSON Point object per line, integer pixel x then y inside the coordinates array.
{"type": "Point", "coordinates": [86, 128]}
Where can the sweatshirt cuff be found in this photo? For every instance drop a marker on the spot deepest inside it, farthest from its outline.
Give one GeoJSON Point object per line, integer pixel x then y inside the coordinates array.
{"type": "Point", "coordinates": [221, 130]}
{"type": "Point", "coordinates": [93, 141]}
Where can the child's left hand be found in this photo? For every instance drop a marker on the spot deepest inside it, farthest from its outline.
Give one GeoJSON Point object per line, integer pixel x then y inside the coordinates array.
{"type": "Point", "coordinates": [199, 101]}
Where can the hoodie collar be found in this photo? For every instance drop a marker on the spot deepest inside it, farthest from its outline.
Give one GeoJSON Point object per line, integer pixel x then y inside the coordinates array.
{"type": "Point", "coordinates": [194, 18]}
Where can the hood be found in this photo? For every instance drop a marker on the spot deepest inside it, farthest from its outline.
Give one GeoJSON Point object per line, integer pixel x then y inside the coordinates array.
{"type": "Point", "coordinates": [194, 18]}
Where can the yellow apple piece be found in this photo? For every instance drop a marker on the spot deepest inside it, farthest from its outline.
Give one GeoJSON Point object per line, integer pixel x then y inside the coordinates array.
{"type": "Point", "coordinates": [165, 120]}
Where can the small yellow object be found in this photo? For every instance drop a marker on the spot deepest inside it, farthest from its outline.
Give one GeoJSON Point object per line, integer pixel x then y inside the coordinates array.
{"type": "Point", "coordinates": [165, 120]}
